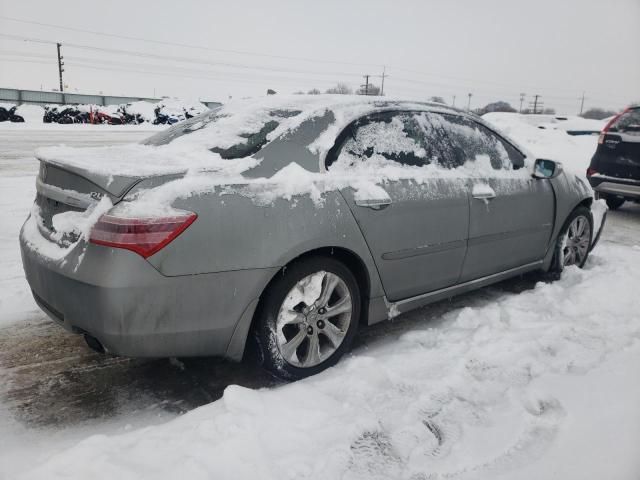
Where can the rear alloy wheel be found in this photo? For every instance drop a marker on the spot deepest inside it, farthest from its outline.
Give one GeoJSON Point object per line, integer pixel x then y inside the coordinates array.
{"type": "Point", "coordinates": [614, 202]}
{"type": "Point", "coordinates": [574, 240]}
{"type": "Point", "coordinates": [308, 318]}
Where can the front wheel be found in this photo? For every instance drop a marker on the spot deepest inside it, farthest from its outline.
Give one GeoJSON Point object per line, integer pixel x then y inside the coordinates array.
{"type": "Point", "coordinates": [574, 240]}
{"type": "Point", "coordinates": [308, 318]}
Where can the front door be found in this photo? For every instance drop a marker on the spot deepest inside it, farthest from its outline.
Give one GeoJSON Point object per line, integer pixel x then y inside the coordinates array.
{"type": "Point", "coordinates": [511, 213]}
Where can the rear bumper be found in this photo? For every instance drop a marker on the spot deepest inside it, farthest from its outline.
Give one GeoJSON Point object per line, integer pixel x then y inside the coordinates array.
{"type": "Point", "coordinates": [119, 298]}
{"type": "Point", "coordinates": [615, 186]}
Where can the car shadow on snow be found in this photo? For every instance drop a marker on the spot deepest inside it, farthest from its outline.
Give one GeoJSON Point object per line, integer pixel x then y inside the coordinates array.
{"type": "Point", "coordinates": [50, 378]}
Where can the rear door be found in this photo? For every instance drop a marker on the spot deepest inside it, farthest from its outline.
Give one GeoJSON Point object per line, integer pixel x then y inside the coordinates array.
{"type": "Point", "coordinates": [416, 227]}
{"type": "Point", "coordinates": [511, 213]}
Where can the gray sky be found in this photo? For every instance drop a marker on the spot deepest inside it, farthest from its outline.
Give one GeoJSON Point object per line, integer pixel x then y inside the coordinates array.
{"type": "Point", "coordinates": [494, 49]}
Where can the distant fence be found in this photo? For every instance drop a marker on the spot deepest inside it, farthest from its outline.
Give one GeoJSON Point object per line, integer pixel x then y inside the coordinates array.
{"type": "Point", "coordinates": [37, 97]}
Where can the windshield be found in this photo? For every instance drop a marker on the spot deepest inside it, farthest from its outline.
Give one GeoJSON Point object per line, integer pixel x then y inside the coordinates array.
{"type": "Point", "coordinates": [232, 137]}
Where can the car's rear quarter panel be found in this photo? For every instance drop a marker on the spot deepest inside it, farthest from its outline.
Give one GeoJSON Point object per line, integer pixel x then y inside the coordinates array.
{"type": "Point", "coordinates": [237, 231]}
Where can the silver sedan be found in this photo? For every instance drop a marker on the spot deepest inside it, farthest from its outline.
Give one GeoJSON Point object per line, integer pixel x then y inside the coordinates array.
{"type": "Point", "coordinates": [285, 224]}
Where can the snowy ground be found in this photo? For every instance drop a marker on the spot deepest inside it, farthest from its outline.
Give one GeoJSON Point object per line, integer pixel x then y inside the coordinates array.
{"type": "Point", "coordinates": [522, 380]}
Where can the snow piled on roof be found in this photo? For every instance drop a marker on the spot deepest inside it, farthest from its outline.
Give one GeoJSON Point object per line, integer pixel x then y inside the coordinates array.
{"type": "Point", "coordinates": [192, 151]}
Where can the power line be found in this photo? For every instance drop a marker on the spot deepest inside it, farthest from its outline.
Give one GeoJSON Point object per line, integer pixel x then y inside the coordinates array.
{"type": "Point", "coordinates": [448, 86]}
{"type": "Point", "coordinates": [467, 82]}
{"type": "Point", "coordinates": [186, 45]}
{"type": "Point", "coordinates": [27, 39]}
{"type": "Point", "coordinates": [201, 61]}
{"type": "Point", "coordinates": [23, 54]}
{"type": "Point", "coordinates": [265, 55]}
{"type": "Point", "coordinates": [200, 77]}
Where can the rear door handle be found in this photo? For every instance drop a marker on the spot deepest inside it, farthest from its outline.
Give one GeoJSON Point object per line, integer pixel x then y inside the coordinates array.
{"type": "Point", "coordinates": [375, 204]}
{"type": "Point", "coordinates": [482, 191]}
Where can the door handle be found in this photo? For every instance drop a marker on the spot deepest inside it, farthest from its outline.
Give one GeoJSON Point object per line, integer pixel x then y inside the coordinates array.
{"type": "Point", "coordinates": [483, 192]}
{"type": "Point", "coordinates": [375, 204]}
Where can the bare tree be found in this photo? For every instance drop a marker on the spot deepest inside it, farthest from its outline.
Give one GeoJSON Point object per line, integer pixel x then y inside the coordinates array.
{"type": "Point", "coordinates": [341, 89]}
{"type": "Point", "coordinates": [314, 91]}
{"type": "Point", "coordinates": [499, 106]}
{"type": "Point", "coordinates": [598, 113]}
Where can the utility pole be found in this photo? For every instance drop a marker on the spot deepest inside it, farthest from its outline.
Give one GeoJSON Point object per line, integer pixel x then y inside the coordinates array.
{"type": "Point", "coordinates": [384, 68]}
{"type": "Point", "coordinates": [469, 102]}
{"type": "Point", "coordinates": [582, 104]}
{"type": "Point", "coordinates": [366, 84]}
{"type": "Point", "coordinates": [535, 104]}
{"type": "Point", "coordinates": [522, 95]}
{"type": "Point", "coordinates": [454, 101]}
{"type": "Point", "coordinates": [60, 64]}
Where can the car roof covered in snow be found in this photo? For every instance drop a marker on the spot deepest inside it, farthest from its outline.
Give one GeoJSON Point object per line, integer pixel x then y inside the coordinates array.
{"type": "Point", "coordinates": [306, 125]}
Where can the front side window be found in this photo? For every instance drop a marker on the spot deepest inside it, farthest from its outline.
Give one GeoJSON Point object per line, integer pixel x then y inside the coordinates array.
{"type": "Point", "coordinates": [403, 138]}
{"type": "Point", "coordinates": [473, 142]}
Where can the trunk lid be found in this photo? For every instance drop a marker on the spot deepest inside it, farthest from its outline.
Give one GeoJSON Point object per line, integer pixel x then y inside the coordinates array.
{"type": "Point", "coordinates": [62, 188]}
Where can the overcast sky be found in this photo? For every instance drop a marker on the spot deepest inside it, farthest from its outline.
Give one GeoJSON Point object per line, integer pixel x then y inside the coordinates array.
{"type": "Point", "coordinates": [494, 49]}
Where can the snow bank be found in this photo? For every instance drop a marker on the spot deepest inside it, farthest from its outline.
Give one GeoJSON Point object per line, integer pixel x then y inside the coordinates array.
{"type": "Point", "coordinates": [567, 123]}
{"type": "Point", "coordinates": [448, 400]}
{"type": "Point", "coordinates": [178, 108]}
{"type": "Point", "coordinates": [30, 113]}
{"type": "Point", "coordinates": [145, 109]}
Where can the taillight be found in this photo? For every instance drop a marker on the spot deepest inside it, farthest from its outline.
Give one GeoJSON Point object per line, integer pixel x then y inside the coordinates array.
{"type": "Point", "coordinates": [145, 236]}
{"type": "Point", "coordinates": [591, 171]}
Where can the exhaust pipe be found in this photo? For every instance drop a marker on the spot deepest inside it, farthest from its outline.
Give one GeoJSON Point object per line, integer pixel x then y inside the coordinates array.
{"type": "Point", "coordinates": [93, 343]}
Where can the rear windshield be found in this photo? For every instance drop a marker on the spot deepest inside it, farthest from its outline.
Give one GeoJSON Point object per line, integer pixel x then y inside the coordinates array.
{"type": "Point", "coordinates": [628, 122]}
{"type": "Point", "coordinates": [247, 142]}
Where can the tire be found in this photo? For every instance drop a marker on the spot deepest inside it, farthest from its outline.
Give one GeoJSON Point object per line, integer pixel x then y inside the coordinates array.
{"type": "Point", "coordinates": [570, 248]}
{"type": "Point", "coordinates": [614, 202]}
{"type": "Point", "coordinates": [291, 321]}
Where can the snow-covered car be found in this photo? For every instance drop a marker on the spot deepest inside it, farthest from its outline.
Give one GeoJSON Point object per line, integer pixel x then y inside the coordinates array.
{"type": "Point", "coordinates": [290, 222]}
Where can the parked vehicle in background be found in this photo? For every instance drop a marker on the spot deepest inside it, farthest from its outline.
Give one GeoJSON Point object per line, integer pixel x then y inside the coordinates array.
{"type": "Point", "coordinates": [614, 172]}
{"type": "Point", "coordinates": [290, 222]}
{"type": "Point", "coordinates": [65, 115]}
{"type": "Point", "coordinates": [8, 114]}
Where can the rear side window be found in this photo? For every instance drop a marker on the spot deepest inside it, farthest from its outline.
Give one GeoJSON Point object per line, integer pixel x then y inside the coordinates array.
{"type": "Point", "coordinates": [246, 141]}
{"type": "Point", "coordinates": [628, 122]}
{"type": "Point", "coordinates": [471, 141]}
{"type": "Point", "coordinates": [405, 138]}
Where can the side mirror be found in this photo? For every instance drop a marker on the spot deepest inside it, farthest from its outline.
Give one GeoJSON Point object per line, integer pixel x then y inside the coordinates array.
{"type": "Point", "coordinates": [546, 168]}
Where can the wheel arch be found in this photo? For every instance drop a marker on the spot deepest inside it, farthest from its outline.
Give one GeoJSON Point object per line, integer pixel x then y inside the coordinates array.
{"type": "Point", "coordinates": [561, 222]}
{"type": "Point", "coordinates": [239, 344]}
